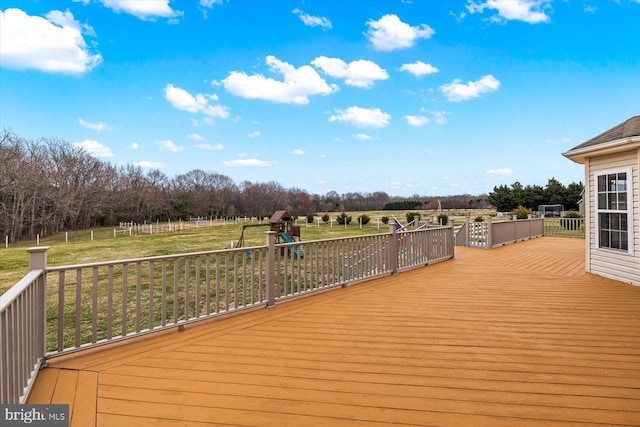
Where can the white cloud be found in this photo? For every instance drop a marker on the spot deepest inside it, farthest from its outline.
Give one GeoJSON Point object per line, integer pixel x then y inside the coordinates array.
{"type": "Point", "coordinates": [297, 86]}
{"type": "Point", "coordinates": [362, 117]}
{"type": "Point", "coordinates": [183, 100]}
{"type": "Point", "coordinates": [150, 165]}
{"type": "Point", "coordinates": [364, 137]}
{"type": "Point", "coordinates": [195, 137]}
{"type": "Point", "coordinates": [215, 147]}
{"type": "Point", "coordinates": [52, 44]}
{"type": "Point", "coordinates": [456, 91]}
{"type": "Point", "coordinates": [312, 21]}
{"type": "Point", "coordinates": [94, 148]}
{"type": "Point", "coordinates": [419, 69]}
{"type": "Point", "coordinates": [390, 33]}
{"type": "Point", "coordinates": [134, 146]}
{"type": "Point", "coordinates": [249, 163]}
{"type": "Point", "coordinates": [502, 171]}
{"type": "Point", "coordinates": [297, 152]}
{"type": "Point", "coordinates": [147, 10]}
{"type": "Point", "coordinates": [361, 73]}
{"type": "Point", "coordinates": [209, 3]}
{"type": "Point", "coordinates": [254, 134]}
{"type": "Point", "coordinates": [530, 11]}
{"type": "Point", "coordinates": [417, 120]}
{"type": "Point", "coordinates": [167, 144]}
{"type": "Point", "coordinates": [440, 117]}
{"type": "Point", "coordinates": [100, 126]}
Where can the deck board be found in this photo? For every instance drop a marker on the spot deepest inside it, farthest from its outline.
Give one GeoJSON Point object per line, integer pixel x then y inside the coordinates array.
{"type": "Point", "coordinates": [514, 336]}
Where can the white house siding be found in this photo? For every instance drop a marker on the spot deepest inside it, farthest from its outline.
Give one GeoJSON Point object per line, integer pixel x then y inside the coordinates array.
{"type": "Point", "coordinates": [610, 263]}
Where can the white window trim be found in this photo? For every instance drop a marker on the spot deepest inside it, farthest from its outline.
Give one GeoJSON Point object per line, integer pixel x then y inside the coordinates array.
{"type": "Point", "coordinates": [629, 171]}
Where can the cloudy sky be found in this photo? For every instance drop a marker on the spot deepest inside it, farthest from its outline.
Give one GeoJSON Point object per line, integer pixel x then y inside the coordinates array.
{"type": "Point", "coordinates": [420, 97]}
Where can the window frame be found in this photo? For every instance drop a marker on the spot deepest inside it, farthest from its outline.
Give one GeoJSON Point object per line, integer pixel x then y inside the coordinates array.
{"type": "Point", "coordinates": [604, 210]}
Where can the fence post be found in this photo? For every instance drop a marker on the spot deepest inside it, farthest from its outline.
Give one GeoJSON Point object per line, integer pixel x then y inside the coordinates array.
{"type": "Point", "coordinates": [270, 272]}
{"type": "Point", "coordinates": [38, 261]}
{"type": "Point", "coordinates": [393, 249]}
{"type": "Point", "coordinates": [489, 241]}
{"type": "Point", "coordinates": [467, 224]}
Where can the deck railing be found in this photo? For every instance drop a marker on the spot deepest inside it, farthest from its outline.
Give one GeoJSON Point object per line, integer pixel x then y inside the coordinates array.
{"type": "Point", "coordinates": [92, 304]}
{"type": "Point", "coordinates": [564, 227]}
{"type": "Point", "coordinates": [22, 331]}
{"type": "Point", "coordinates": [489, 234]}
{"type": "Point", "coordinates": [492, 234]}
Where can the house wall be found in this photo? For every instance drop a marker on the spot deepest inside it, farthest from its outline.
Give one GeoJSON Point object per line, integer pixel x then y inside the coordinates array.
{"type": "Point", "coordinates": [608, 263]}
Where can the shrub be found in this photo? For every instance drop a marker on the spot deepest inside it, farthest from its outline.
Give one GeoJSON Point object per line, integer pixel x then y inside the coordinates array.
{"type": "Point", "coordinates": [413, 215]}
{"type": "Point", "coordinates": [572, 214]}
{"type": "Point", "coordinates": [385, 220]}
{"type": "Point", "coordinates": [479, 218]}
{"type": "Point", "coordinates": [364, 219]}
{"type": "Point", "coordinates": [521, 212]}
{"type": "Point", "coordinates": [343, 219]}
{"type": "Point", "coordinates": [325, 218]}
{"type": "Point", "coordinates": [310, 219]}
{"type": "Point", "coordinates": [443, 219]}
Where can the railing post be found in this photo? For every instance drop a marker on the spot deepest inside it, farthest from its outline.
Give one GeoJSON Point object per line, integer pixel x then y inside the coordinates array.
{"type": "Point", "coordinates": [270, 273]}
{"type": "Point", "coordinates": [452, 241]}
{"type": "Point", "coordinates": [393, 249]}
{"type": "Point", "coordinates": [467, 221]}
{"type": "Point", "coordinates": [38, 261]}
{"type": "Point", "coordinates": [489, 241]}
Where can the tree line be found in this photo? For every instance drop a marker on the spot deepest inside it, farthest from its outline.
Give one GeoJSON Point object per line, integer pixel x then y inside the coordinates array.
{"type": "Point", "coordinates": [48, 186]}
{"type": "Point", "coordinates": [507, 198]}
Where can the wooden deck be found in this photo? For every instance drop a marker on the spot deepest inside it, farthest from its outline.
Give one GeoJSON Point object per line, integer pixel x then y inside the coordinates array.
{"type": "Point", "coordinates": [515, 336]}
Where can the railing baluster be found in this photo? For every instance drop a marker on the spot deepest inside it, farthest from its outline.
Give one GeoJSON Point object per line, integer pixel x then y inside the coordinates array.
{"type": "Point", "coordinates": [176, 291]}
{"type": "Point", "coordinates": [94, 306]}
{"type": "Point", "coordinates": [152, 277]}
{"type": "Point", "coordinates": [163, 317]}
{"type": "Point", "coordinates": [226, 282]}
{"type": "Point", "coordinates": [61, 303]}
{"type": "Point", "coordinates": [187, 296]}
{"type": "Point", "coordinates": [217, 310]}
{"type": "Point", "coordinates": [78, 340]}
{"type": "Point", "coordinates": [138, 294]}
{"type": "Point", "coordinates": [125, 294]}
{"type": "Point", "coordinates": [208, 284]}
{"type": "Point", "coordinates": [197, 278]}
{"type": "Point", "coordinates": [110, 303]}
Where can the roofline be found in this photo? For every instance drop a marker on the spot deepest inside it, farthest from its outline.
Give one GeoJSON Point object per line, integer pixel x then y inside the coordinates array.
{"type": "Point", "coordinates": [623, 144]}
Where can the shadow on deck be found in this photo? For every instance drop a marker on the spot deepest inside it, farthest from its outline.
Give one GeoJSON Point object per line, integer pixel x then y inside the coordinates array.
{"type": "Point", "coordinates": [515, 336]}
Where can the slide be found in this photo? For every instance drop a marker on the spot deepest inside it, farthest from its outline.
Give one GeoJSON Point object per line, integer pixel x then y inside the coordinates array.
{"type": "Point", "coordinates": [288, 239]}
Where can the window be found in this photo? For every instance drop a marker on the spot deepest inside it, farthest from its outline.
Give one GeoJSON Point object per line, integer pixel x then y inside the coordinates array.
{"type": "Point", "coordinates": [614, 201]}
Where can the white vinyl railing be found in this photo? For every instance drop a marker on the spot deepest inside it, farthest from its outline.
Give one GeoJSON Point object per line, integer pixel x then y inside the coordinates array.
{"type": "Point", "coordinates": [489, 234]}
{"type": "Point", "coordinates": [97, 303]}
{"type": "Point", "coordinates": [22, 331]}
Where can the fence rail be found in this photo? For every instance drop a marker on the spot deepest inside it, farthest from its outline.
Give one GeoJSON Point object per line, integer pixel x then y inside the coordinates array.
{"type": "Point", "coordinates": [92, 304]}
{"type": "Point", "coordinates": [564, 227]}
{"type": "Point", "coordinates": [491, 234]}
{"type": "Point", "coordinates": [22, 320]}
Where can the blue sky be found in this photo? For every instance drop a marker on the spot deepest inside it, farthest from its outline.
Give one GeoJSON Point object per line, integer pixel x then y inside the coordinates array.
{"type": "Point", "coordinates": [408, 97]}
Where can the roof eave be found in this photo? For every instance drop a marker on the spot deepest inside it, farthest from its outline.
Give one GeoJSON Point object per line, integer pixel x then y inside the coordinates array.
{"type": "Point", "coordinates": [619, 145]}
